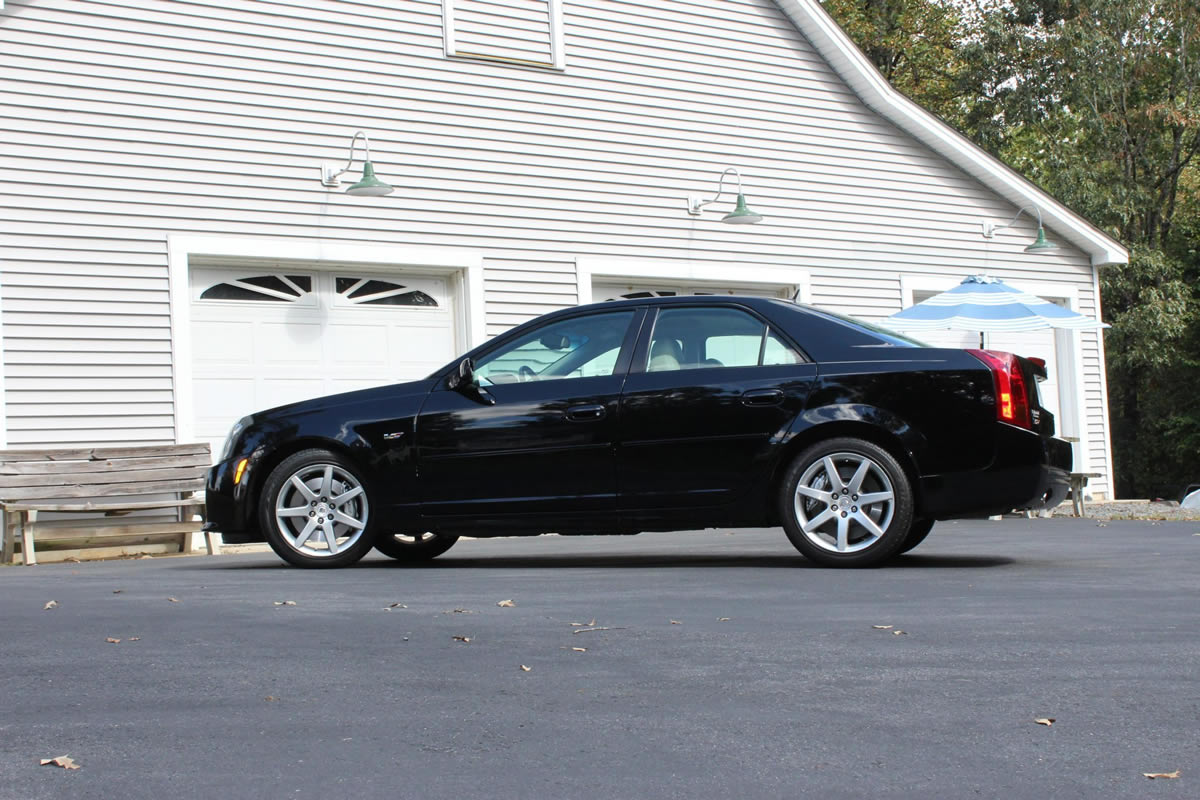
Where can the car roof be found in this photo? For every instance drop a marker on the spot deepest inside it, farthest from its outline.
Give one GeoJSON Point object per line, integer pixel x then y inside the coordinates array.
{"type": "Point", "coordinates": [692, 299]}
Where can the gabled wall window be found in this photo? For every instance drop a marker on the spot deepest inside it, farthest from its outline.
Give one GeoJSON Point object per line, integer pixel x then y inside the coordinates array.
{"type": "Point", "coordinates": [525, 32]}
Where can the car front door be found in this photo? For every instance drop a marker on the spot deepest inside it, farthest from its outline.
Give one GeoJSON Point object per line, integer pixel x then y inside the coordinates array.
{"type": "Point", "coordinates": [535, 444]}
{"type": "Point", "coordinates": [710, 390]}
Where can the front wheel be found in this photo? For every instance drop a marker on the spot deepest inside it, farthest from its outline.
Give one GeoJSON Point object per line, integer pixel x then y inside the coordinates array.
{"type": "Point", "coordinates": [414, 548]}
{"type": "Point", "coordinates": [315, 510]}
{"type": "Point", "coordinates": [846, 502]}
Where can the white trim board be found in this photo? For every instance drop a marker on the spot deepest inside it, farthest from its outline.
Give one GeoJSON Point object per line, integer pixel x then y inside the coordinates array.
{"type": "Point", "coordinates": [463, 267]}
{"type": "Point", "coordinates": [873, 89]}
{"type": "Point", "coordinates": [589, 268]}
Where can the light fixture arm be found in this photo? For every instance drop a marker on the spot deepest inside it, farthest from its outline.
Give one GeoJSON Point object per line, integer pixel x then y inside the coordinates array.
{"type": "Point", "coordinates": [330, 177]}
{"type": "Point", "coordinates": [695, 204]}
{"type": "Point", "coordinates": [989, 228]}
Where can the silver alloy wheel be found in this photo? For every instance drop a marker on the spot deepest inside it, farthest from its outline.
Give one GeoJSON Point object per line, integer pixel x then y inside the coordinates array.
{"type": "Point", "coordinates": [844, 503]}
{"type": "Point", "coordinates": [412, 540]}
{"type": "Point", "coordinates": [321, 510]}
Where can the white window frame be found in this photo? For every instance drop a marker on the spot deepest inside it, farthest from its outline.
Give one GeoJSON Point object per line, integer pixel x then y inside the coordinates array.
{"type": "Point", "coordinates": [558, 59]}
{"type": "Point", "coordinates": [688, 274]}
{"type": "Point", "coordinates": [463, 268]}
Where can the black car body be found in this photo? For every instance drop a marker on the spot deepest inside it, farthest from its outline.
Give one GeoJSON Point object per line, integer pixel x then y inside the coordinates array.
{"type": "Point", "coordinates": [666, 437]}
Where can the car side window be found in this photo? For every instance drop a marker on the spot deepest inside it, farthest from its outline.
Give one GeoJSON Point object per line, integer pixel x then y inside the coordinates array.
{"type": "Point", "coordinates": [579, 347]}
{"type": "Point", "coordinates": [698, 338]}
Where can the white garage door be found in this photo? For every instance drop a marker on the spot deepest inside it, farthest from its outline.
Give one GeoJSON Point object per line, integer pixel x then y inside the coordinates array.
{"type": "Point", "coordinates": [262, 339]}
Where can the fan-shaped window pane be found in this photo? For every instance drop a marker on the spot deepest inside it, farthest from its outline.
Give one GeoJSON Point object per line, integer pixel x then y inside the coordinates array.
{"type": "Point", "coordinates": [261, 288]}
{"type": "Point", "coordinates": [372, 292]}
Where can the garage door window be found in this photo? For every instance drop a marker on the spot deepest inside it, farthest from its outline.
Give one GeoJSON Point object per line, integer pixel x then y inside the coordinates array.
{"type": "Point", "coordinates": [262, 289]}
{"type": "Point", "coordinates": [373, 292]}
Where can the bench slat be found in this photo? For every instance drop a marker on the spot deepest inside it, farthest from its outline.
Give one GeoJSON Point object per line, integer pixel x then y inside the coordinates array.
{"type": "Point", "coordinates": [101, 453]}
{"type": "Point", "coordinates": [48, 483]}
{"type": "Point", "coordinates": [88, 505]}
{"type": "Point", "coordinates": [56, 533]}
{"type": "Point", "coordinates": [110, 490]}
{"type": "Point", "coordinates": [106, 466]}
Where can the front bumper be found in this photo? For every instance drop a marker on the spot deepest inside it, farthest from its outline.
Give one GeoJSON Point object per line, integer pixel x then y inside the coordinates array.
{"type": "Point", "coordinates": [230, 509]}
{"type": "Point", "coordinates": [1029, 472]}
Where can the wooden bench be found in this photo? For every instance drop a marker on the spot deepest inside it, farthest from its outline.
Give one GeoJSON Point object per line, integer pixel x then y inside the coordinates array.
{"type": "Point", "coordinates": [1078, 481]}
{"type": "Point", "coordinates": [109, 481]}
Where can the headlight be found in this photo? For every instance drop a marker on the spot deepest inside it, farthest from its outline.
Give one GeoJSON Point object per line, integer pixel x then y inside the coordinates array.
{"type": "Point", "coordinates": [231, 439]}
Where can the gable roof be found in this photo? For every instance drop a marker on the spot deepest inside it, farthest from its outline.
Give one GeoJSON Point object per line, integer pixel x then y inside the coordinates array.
{"type": "Point", "coordinates": [873, 89]}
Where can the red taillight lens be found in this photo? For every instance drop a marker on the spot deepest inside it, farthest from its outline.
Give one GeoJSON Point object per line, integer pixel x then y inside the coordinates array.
{"type": "Point", "coordinates": [1012, 398]}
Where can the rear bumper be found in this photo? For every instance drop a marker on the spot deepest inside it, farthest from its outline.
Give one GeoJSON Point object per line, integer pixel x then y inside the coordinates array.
{"type": "Point", "coordinates": [1029, 472]}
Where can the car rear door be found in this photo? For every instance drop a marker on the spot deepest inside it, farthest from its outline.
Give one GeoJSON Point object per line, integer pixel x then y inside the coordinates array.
{"type": "Point", "coordinates": [711, 389]}
{"type": "Point", "coordinates": [545, 448]}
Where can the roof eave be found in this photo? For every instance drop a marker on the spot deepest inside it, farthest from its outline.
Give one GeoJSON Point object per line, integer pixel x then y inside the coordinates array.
{"type": "Point", "coordinates": [873, 89]}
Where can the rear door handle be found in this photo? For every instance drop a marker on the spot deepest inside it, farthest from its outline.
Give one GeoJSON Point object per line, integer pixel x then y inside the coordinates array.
{"type": "Point", "coordinates": [585, 413]}
{"type": "Point", "coordinates": [762, 397]}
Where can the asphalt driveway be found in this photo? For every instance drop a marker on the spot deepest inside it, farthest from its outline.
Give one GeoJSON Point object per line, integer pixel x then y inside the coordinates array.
{"type": "Point", "coordinates": [696, 665]}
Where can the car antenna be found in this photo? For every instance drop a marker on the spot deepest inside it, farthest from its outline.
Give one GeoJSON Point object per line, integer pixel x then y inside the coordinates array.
{"type": "Point", "coordinates": [796, 295]}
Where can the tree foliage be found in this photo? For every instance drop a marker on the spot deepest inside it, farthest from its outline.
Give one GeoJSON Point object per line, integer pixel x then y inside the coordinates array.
{"type": "Point", "coordinates": [1097, 101]}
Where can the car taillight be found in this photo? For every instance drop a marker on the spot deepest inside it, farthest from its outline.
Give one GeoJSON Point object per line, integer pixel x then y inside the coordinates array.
{"type": "Point", "coordinates": [1012, 397]}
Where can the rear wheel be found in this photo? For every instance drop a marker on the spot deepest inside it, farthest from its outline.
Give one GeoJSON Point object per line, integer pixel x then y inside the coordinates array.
{"type": "Point", "coordinates": [846, 502]}
{"type": "Point", "coordinates": [315, 511]}
{"type": "Point", "coordinates": [916, 534]}
{"type": "Point", "coordinates": [414, 547]}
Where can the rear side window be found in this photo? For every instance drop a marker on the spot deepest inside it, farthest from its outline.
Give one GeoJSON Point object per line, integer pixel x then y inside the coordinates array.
{"type": "Point", "coordinates": [703, 338]}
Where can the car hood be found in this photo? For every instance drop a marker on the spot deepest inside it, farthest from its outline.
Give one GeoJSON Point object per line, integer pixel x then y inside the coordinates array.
{"type": "Point", "coordinates": [391, 392]}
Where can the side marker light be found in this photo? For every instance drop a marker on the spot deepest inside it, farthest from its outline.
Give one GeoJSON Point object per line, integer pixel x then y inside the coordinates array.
{"type": "Point", "coordinates": [241, 470]}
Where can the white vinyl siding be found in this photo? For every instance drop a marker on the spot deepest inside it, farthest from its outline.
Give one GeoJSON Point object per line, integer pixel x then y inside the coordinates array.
{"type": "Point", "coordinates": [126, 122]}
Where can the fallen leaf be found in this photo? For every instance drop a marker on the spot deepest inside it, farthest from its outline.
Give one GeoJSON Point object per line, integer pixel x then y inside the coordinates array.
{"type": "Point", "coordinates": [172, 599]}
{"type": "Point", "coordinates": [899, 633]}
{"type": "Point", "coordinates": [1101, 524]}
{"type": "Point", "coordinates": [1047, 721]}
{"type": "Point", "coordinates": [525, 668]}
{"type": "Point", "coordinates": [71, 559]}
{"type": "Point", "coordinates": [50, 605]}
{"type": "Point", "coordinates": [111, 640]}
{"type": "Point", "coordinates": [270, 698]}
{"type": "Point", "coordinates": [397, 605]}
{"type": "Point", "coordinates": [285, 602]}
{"type": "Point", "coordinates": [579, 649]}
{"type": "Point", "coordinates": [883, 627]}
{"type": "Point", "coordinates": [66, 762]}
{"type": "Point", "coordinates": [506, 604]}
{"type": "Point", "coordinates": [135, 638]}
{"type": "Point", "coordinates": [676, 622]}
{"type": "Point", "coordinates": [584, 624]}
{"type": "Point", "coordinates": [1153, 775]}
{"type": "Point", "coordinates": [117, 591]}
{"type": "Point", "coordinates": [722, 619]}
{"type": "Point", "coordinates": [462, 611]}
{"type": "Point", "coordinates": [461, 638]}
{"type": "Point", "coordinates": [589, 630]}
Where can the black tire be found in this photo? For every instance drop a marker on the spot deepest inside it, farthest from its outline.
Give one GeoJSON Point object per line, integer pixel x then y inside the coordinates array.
{"type": "Point", "coordinates": [305, 538]}
{"type": "Point", "coordinates": [916, 533]}
{"type": "Point", "coordinates": [414, 549]}
{"type": "Point", "coordinates": [826, 524]}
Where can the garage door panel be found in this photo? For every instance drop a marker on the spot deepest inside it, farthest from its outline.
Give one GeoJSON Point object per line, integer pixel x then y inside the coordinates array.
{"type": "Point", "coordinates": [222, 343]}
{"type": "Point", "coordinates": [288, 342]}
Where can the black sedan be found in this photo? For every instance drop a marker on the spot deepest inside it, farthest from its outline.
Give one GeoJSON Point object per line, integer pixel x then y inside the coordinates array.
{"type": "Point", "coordinates": [672, 413]}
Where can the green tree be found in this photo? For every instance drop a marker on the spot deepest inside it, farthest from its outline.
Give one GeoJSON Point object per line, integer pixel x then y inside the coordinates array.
{"type": "Point", "coordinates": [1098, 101]}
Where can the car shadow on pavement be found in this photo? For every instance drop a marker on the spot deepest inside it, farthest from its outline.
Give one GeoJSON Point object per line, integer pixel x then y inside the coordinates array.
{"type": "Point", "coordinates": [638, 561]}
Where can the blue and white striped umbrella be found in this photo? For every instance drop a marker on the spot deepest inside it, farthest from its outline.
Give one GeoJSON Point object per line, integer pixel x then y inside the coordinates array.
{"type": "Point", "coordinates": [982, 303]}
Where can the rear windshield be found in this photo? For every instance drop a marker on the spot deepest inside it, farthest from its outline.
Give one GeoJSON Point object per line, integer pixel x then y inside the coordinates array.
{"type": "Point", "coordinates": [885, 335]}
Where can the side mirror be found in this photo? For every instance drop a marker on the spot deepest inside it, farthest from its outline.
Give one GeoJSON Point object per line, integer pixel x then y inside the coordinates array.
{"type": "Point", "coordinates": [466, 382]}
{"type": "Point", "coordinates": [464, 377]}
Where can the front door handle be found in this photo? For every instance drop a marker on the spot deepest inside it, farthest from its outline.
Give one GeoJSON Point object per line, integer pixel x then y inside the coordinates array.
{"type": "Point", "coordinates": [762, 397]}
{"type": "Point", "coordinates": [585, 413]}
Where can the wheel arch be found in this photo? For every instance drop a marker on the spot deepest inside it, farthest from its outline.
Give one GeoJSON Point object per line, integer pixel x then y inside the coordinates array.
{"type": "Point", "coordinates": [859, 428]}
{"type": "Point", "coordinates": [273, 458]}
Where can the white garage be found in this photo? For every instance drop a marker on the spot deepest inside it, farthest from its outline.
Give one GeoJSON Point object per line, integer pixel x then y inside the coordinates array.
{"type": "Point", "coordinates": [264, 337]}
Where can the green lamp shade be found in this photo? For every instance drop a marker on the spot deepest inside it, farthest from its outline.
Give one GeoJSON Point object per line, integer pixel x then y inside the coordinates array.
{"type": "Point", "coordinates": [740, 214]}
{"type": "Point", "coordinates": [369, 186]}
{"type": "Point", "coordinates": [1041, 244]}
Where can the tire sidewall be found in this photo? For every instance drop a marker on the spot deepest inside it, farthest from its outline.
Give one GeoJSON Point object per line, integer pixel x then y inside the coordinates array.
{"type": "Point", "coordinates": [406, 553]}
{"type": "Point", "coordinates": [893, 538]}
{"type": "Point", "coordinates": [270, 492]}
